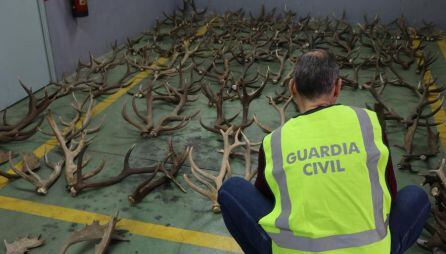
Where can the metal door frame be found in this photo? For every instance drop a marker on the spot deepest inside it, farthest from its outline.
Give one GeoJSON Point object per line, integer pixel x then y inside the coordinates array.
{"type": "Point", "coordinates": [46, 39]}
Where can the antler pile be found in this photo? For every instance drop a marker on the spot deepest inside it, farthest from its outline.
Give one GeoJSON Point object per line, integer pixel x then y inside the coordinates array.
{"type": "Point", "coordinates": [146, 124]}
{"type": "Point", "coordinates": [172, 159]}
{"type": "Point", "coordinates": [436, 180]}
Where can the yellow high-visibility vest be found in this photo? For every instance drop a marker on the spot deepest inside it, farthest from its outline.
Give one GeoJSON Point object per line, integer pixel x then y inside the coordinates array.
{"type": "Point", "coordinates": [327, 173]}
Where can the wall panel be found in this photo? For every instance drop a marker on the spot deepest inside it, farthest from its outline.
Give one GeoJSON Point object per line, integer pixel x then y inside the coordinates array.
{"type": "Point", "coordinates": [109, 20]}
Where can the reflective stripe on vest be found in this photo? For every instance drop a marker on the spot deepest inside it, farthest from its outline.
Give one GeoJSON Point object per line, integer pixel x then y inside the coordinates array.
{"type": "Point", "coordinates": [286, 239]}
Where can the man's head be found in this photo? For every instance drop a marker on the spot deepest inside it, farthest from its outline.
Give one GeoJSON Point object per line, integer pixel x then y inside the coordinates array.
{"type": "Point", "coordinates": [316, 79]}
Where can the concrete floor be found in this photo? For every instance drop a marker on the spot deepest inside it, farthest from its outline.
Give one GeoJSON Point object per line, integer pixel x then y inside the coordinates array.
{"type": "Point", "coordinates": [166, 206]}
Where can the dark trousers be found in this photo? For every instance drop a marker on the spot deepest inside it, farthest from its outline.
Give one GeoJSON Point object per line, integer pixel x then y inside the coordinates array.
{"type": "Point", "coordinates": [242, 206]}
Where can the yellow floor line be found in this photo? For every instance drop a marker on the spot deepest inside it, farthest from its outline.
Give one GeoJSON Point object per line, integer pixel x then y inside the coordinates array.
{"type": "Point", "coordinates": [441, 115]}
{"type": "Point", "coordinates": [172, 234]}
{"type": "Point", "coordinates": [52, 142]}
{"type": "Point", "coordinates": [442, 46]}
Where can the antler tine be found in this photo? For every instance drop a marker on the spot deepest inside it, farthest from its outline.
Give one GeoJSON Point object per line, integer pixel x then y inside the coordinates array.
{"type": "Point", "coordinates": [280, 110]}
{"type": "Point", "coordinates": [237, 141]}
{"type": "Point", "coordinates": [207, 91]}
{"type": "Point", "coordinates": [127, 157]}
{"type": "Point", "coordinates": [88, 113]}
{"type": "Point", "coordinates": [12, 132]}
{"type": "Point", "coordinates": [50, 164]}
{"type": "Point", "coordinates": [41, 185]}
{"type": "Point", "coordinates": [210, 194]}
{"type": "Point", "coordinates": [248, 174]}
{"type": "Point", "coordinates": [22, 174]}
{"type": "Point", "coordinates": [94, 171]}
{"type": "Point", "coordinates": [278, 76]}
{"type": "Point", "coordinates": [169, 176]}
{"type": "Point", "coordinates": [81, 144]}
{"type": "Point", "coordinates": [125, 172]}
{"type": "Point", "coordinates": [264, 128]}
{"type": "Point", "coordinates": [59, 136]}
{"type": "Point", "coordinates": [129, 120]}
{"type": "Point", "coordinates": [57, 170]}
{"type": "Point", "coordinates": [204, 178]}
{"type": "Point", "coordinates": [432, 140]}
{"type": "Point", "coordinates": [197, 169]}
{"type": "Point", "coordinates": [440, 172]}
{"type": "Point", "coordinates": [246, 99]}
{"type": "Point", "coordinates": [392, 114]}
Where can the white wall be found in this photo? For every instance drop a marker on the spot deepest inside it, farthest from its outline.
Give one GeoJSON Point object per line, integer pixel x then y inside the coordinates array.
{"type": "Point", "coordinates": [22, 50]}
{"type": "Point", "coordinates": [109, 20]}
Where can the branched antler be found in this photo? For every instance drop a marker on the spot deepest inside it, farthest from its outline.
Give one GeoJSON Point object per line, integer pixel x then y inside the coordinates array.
{"type": "Point", "coordinates": [436, 179]}
{"type": "Point", "coordinates": [95, 65]}
{"type": "Point", "coordinates": [94, 232]}
{"type": "Point", "coordinates": [280, 110]}
{"type": "Point", "coordinates": [42, 185]}
{"type": "Point", "coordinates": [246, 98]}
{"type": "Point", "coordinates": [146, 124]}
{"type": "Point", "coordinates": [106, 87]}
{"type": "Point", "coordinates": [172, 158]}
{"type": "Point", "coordinates": [212, 183]}
{"type": "Point", "coordinates": [282, 60]}
{"type": "Point", "coordinates": [221, 122]}
{"type": "Point", "coordinates": [23, 245]}
{"type": "Point", "coordinates": [20, 130]}
{"type": "Point", "coordinates": [70, 150]}
{"type": "Point", "coordinates": [80, 122]}
{"type": "Point", "coordinates": [175, 161]}
{"type": "Point", "coordinates": [81, 184]}
{"type": "Point", "coordinates": [29, 159]}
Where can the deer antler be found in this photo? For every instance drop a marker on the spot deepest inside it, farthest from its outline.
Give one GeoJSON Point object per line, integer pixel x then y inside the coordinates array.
{"type": "Point", "coordinates": [4, 156]}
{"type": "Point", "coordinates": [19, 131]}
{"type": "Point", "coordinates": [70, 151]}
{"type": "Point", "coordinates": [246, 98]}
{"type": "Point", "coordinates": [107, 87]}
{"type": "Point", "coordinates": [150, 129]}
{"type": "Point", "coordinates": [282, 59]}
{"type": "Point", "coordinates": [125, 172]}
{"type": "Point", "coordinates": [29, 159]}
{"type": "Point", "coordinates": [94, 232]}
{"type": "Point", "coordinates": [176, 161]}
{"type": "Point", "coordinates": [23, 245]}
{"type": "Point", "coordinates": [80, 122]}
{"type": "Point", "coordinates": [280, 110]}
{"type": "Point", "coordinates": [98, 66]}
{"type": "Point", "coordinates": [213, 183]}
{"type": "Point", "coordinates": [42, 185]}
{"type": "Point", "coordinates": [221, 122]}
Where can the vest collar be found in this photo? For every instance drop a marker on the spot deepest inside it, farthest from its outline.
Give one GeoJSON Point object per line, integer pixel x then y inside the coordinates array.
{"type": "Point", "coordinates": [316, 110]}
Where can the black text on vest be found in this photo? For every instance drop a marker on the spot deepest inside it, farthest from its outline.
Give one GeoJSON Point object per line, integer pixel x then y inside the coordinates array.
{"type": "Point", "coordinates": [314, 166]}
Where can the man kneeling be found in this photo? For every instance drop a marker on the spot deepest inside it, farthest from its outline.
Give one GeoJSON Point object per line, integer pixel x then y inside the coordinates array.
{"type": "Point", "coordinates": [325, 180]}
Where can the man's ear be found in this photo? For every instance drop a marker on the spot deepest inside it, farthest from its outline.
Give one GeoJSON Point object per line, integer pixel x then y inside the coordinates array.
{"type": "Point", "coordinates": [292, 88]}
{"type": "Point", "coordinates": [337, 88]}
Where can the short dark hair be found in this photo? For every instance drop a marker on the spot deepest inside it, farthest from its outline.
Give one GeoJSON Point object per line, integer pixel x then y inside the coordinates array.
{"type": "Point", "coordinates": [316, 73]}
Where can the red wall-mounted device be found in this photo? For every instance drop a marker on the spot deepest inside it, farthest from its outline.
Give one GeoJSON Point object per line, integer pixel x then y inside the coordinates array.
{"type": "Point", "coordinates": [79, 8]}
